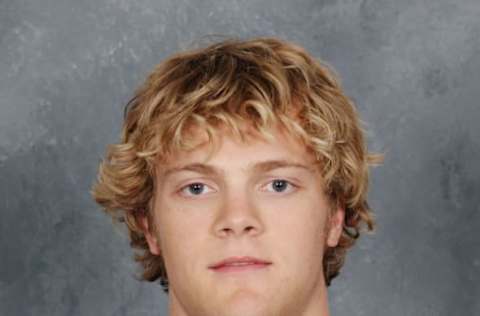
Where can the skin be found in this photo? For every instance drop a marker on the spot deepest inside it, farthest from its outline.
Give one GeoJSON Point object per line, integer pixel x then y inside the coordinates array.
{"type": "Point", "coordinates": [238, 210]}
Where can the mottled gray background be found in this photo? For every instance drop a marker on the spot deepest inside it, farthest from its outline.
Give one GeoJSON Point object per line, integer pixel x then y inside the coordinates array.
{"type": "Point", "coordinates": [68, 67]}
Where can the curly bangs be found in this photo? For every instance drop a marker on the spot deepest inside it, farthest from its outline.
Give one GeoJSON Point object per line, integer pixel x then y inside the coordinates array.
{"type": "Point", "coordinates": [259, 82]}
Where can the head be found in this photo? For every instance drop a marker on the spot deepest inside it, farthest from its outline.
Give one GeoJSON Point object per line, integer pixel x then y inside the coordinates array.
{"type": "Point", "coordinates": [243, 147]}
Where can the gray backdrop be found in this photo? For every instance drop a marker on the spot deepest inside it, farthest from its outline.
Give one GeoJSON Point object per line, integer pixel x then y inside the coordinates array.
{"type": "Point", "coordinates": [68, 67]}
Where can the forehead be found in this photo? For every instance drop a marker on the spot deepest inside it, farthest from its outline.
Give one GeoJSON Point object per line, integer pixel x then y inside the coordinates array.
{"type": "Point", "coordinates": [250, 142]}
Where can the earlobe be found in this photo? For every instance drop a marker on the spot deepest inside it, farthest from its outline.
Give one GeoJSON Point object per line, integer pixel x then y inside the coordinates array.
{"type": "Point", "coordinates": [336, 227]}
{"type": "Point", "coordinates": [149, 235]}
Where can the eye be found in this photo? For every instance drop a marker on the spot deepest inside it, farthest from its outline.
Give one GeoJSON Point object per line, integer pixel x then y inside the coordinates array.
{"type": "Point", "coordinates": [196, 188]}
{"type": "Point", "coordinates": [280, 185]}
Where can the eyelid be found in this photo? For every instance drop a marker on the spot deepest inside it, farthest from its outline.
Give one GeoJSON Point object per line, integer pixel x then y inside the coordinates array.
{"type": "Point", "coordinates": [290, 183]}
{"type": "Point", "coordinates": [185, 186]}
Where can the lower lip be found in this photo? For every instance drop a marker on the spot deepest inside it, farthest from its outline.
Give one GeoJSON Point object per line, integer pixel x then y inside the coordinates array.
{"type": "Point", "coordinates": [248, 267]}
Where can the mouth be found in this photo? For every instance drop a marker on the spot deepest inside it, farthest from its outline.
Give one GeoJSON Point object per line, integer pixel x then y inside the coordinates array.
{"type": "Point", "coordinates": [237, 264]}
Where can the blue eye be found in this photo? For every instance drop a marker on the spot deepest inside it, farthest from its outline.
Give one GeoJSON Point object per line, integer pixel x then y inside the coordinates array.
{"type": "Point", "coordinates": [279, 185]}
{"type": "Point", "coordinates": [196, 188]}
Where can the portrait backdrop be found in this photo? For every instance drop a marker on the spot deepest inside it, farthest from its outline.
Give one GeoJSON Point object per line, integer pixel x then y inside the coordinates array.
{"type": "Point", "coordinates": [68, 67]}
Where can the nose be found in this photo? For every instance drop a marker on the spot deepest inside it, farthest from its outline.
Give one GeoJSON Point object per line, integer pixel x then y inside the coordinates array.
{"type": "Point", "coordinates": [238, 216]}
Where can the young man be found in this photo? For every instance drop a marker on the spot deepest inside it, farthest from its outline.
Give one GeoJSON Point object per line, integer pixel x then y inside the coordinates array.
{"type": "Point", "coordinates": [242, 176]}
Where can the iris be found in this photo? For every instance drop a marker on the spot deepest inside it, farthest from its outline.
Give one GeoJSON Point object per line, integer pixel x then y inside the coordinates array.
{"type": "Point", "coordinates": [279, 185]}
{"type": "Point", "coordinates": [196, 188]}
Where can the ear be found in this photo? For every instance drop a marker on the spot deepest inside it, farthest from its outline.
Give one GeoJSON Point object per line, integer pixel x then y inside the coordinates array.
{"type": "Point", "coordinates": [149, 233]}
{"type": "Point", "coordinates": [335, 227]}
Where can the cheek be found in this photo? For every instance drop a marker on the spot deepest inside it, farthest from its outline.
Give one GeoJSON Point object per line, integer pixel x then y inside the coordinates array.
{"type": "Point", "coordinates": [303, 216]}
{"type": "Point", "coordinates": [298, 229]}
{"type": "Point", "coordinates": [181, 232]}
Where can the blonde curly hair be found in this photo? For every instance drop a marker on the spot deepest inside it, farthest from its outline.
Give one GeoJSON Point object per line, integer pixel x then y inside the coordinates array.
{"type": "Point", "coordinates": [260, 81]}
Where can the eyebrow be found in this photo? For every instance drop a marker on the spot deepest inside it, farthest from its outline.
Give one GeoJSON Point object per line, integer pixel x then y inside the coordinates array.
{"type": "Point", "coordinates": [259, 167]}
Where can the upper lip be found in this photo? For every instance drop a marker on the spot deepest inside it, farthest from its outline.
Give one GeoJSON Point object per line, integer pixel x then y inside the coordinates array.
{"type": "Point", "coordinates": [243, 259]}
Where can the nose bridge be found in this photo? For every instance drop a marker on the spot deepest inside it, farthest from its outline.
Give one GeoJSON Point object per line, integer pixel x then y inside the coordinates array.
{"type": "Point", "coordinates": [238, 214]}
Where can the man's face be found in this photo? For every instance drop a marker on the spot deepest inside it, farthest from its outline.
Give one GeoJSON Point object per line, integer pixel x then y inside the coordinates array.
{"type": "Point", "coordinates": [262, 199]}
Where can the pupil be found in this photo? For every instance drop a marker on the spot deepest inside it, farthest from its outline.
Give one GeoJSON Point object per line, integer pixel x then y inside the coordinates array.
{"type": "Point", "coordinates": [196, 188]}
{"type": "Point", "coordinates": [279, 184]}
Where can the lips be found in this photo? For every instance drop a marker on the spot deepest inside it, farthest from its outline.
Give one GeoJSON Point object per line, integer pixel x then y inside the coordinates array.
{"type": "Point", "coordinates": [239, 261]}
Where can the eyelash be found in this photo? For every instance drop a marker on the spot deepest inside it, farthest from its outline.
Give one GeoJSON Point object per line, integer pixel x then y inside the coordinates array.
{"type": "Point", "coordinates": [290, 184]}
{"type": "Point", "coordinates": [182, 189]}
